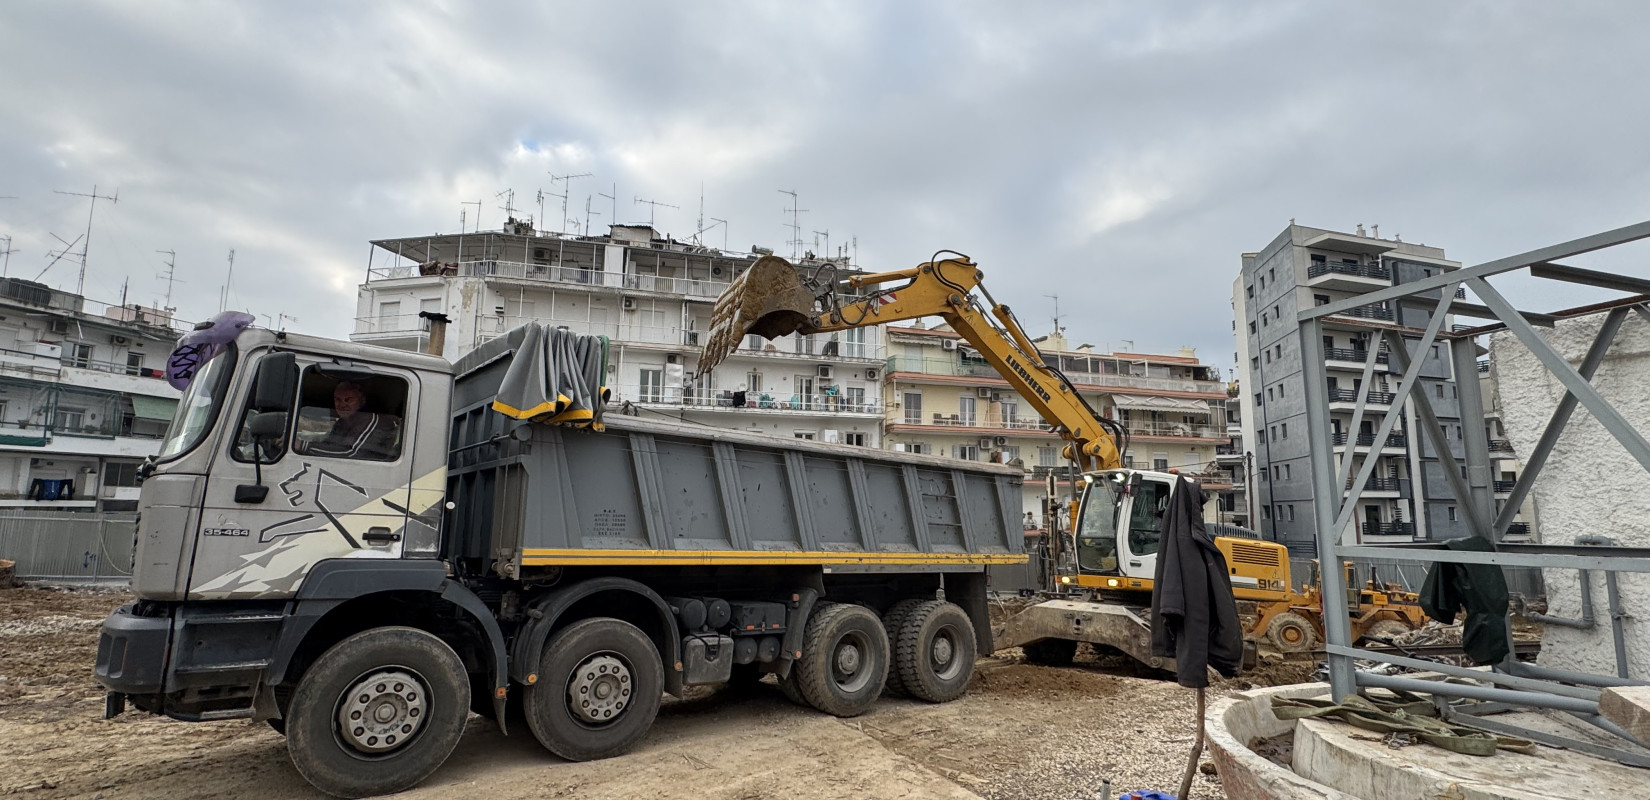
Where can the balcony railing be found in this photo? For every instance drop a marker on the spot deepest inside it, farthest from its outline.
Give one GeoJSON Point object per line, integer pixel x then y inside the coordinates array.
{"type": "Point", "coordinates": [959, 421]}
{"type": "Point", "coordinates": [1503, 487]}
{"type": "Point", "coordinates": [1368, 440]}
{"type": "Point", "coordinates": [1378, 485]}
{"type": "Point", "coordinates": [577, 276]}
{"type": "Point", "coordinates": [761, 401]}
{"type": "Point", "coordinates": [1320, 268]}
{"type": "Point", "coordinates": [1500, 446]}
{"type": "Point", "coordinates": [1518, 529]}
{"type": "Point", "coordinates": [1389, 529]}
{"type": "Point", "coordinates": [1176, 429]}
{"type": "Point", "coordinates": [956, 366]}
{"type": "Point", "coordinates": [1349, 354]}
{"type": "Point", "coordinates": [1484, 365]}
{"type": "Point", "coordinates": [1371, 311]}
{"type": "Point", "coordinates": [1351, 396]}
{"type": "Point", "coordinates": [1461, 293]}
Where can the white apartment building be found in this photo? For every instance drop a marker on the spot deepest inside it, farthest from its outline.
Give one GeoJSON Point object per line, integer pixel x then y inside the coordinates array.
{"type": "Point", "coordinates": [83, 399]}
{"type": "Point", "coordinates": [651, 296]}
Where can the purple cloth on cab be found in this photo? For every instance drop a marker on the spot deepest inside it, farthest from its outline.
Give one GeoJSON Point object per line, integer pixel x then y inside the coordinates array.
{"type": "Point", "coordinates": [201, 344]}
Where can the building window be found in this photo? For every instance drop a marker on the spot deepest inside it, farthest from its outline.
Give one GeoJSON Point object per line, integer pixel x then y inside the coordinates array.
{"type": "Point", "coordinates": [1274, 433]}
{"type": "Point", "coordinates": [1266, 512]}
{"type": "Point", "coordinates": [1160, 462]}
{"type": "Point", "coordinates": [1287, 476]}
{"type": "Point", "coordinates": [1285, 427]}
{"type": "Point", "coordinates": [1268, 356]}
{"type": "Point", "coordinates": [1249, 290]}
{"type": "Point", "coordinates": [652, 386]}
{"type": "Point", "coordinates": [1320, 299]}
{"type": "Point", "coordinates": [1291, 508]}
{"type": "Point", "coordinates": [1438, 389]}
{"type": "Point", "coordinates": [1257, 398]}
{"type": "Point", "coordinates": [855, 439]}
{"type": "Point", "coordinates": [1272, 274]}
{"type": "Point", "coordinates": [1451, 511]}
{"type": "Point", "coordinates": [1046, 456]}
{"type": "Point", "coordinates": [1263, 319]}
{"type": "Point", "coordinates": [1268, 393]}
{"type": "Point", "coordinates": [77, 355]}
{"type": "Point", "coordinates": [753, 380]}
{"type": "Point", "coordinates": [1010, 452]}
{"type": "Point", "coordinates": [120, 473]}
{"type": "Point", "coordinates": [1010, 411]}
{"type": "Point", "coordinates": [965, 409]}
{"type": "Point", "coordinates": [69, 419]}
{"type": "Point", "coordinates": [1278, 351]}
{"type": "Point", "coordinates": [1128, 460]}
{"type": "Point", "coordinates": [134, 363]}
{"type": "Point", "coordinates": [967, 452]}
{"type": "Point", "coordinates": [913, 408]}
{"type": "Point", "coordinates": [804, 435]}
{"type": "Point", "coordinates": [1255, 362]}
{"type": "Point", "coordinates": [1251, 328]}
{"type": "Point", "coordinates": [1280, 390]}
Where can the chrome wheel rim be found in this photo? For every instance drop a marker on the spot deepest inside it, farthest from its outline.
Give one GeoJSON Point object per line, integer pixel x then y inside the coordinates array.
{"type": "Point", "coordinates": [599, 689]}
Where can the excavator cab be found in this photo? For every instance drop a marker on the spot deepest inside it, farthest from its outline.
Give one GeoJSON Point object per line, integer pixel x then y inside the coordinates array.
{"type": "Point", "coordinates": [1119, 529]}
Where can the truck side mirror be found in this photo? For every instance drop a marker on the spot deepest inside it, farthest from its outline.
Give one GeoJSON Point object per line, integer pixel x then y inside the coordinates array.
{"type": "Point", "coordinates": [277, 383]}
{"type": "Point", "coordinates": [266, 427]}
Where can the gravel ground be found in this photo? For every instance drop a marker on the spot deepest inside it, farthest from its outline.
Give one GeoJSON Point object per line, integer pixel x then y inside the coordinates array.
{"type": "Point", "coordinates": [1023, 732]}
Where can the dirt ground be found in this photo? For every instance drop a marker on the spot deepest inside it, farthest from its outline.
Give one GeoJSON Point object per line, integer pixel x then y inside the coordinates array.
{"type": "Point", "coordinates": [1022, 732]}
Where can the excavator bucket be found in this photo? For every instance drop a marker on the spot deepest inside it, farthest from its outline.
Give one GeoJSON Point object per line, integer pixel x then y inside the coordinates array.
{"type": "Point", "coordinates": [768, 300]}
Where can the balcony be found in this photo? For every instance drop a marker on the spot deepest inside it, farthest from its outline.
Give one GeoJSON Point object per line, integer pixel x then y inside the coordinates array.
{"type": "Point", "coordinates": [1503, 487]}
{"type": "Point", "coordinates": [1379, 487]}
{"type": "Point", "coordinates": [1348, 358]}
{"type": "Point", "coordinates": [1349, 398]}
{"type": "Point", "coordinates": [1347, 277]}
{"type": "Point", "coordinates": [579, 276]}
{"type": "Point", "coordinates": [1176, 430]}
{"type": "Point", "coordinates": [1377, 311]}
{"type": "Point", "coordinates": [1406, 529]}
{"type": "Point", "coordinates": [1395, 442]}
{"type": "Point", "coordinates": [1483, 366]}
{"type": "Point", "coordinates": [1026, 426]}
{"type": "Point", "coordinates": [955, 365]}
{"type": "Point", "coordinates": [668, 397]}
{"type": "Point", "coordinates": [1519, 529]}
{"type": "Point", "coordinates": [1500, 446]}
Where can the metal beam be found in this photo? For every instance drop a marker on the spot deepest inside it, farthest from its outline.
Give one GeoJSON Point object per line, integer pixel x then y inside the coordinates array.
{"type": "Point", "coordinates": [1336, 622]}
{"type": "Point", "coordinates": [1475, 443]}
{"type": "Point", "coordinates": [1535, 699]}
{"type": "Point", "coordinates": [1446, 457]}
{"type": "Point", "coordinates": [1561, 417]}
{"type": "Point", "coordinates": [1462, 308]}
{"type": "Point", "coordinates": [1589, 277]}
{"type": "Point", "coordinates": [1342, 474]}
{"type": "Point", "coordinates": [1497, 678]}
{"type": "Point", "coordinates": [1606, 414]}
{"type": "Point", "coordinates": [1585, 244]}
{"type": "Point", "coordinates": [1503, 558]}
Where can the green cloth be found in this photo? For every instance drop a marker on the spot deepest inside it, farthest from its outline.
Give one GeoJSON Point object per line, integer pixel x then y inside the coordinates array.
{"type": "Point", "coordinates": [1407, 714]}
{"type": "Point", "coordinates": [1482, 590]}
{"type": "Point", "coordinates": [160, 408]}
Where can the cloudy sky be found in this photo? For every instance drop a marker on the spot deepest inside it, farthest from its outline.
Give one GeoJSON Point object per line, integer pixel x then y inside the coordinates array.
{"type": "Point", "coordinates": [1118, 155]}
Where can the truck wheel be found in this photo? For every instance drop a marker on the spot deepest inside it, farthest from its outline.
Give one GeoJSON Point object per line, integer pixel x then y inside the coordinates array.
{"type": "Point", "coordinates": [1386, 629]}
{"type": "Point", "coordinates": [599, 686]}
{"type": "Point", "coordinates": [844, 660]}
{"type": "Point", "coordinates": [378, 712]}
{"type": "Point", "coordinates": [1051, 652]}
{"type": "Point", "coordinates": [935, 655]}
{"type": "Point", "coordinates": [892, 621]}
{"type": "Point", "coordinates": [1291, 633]}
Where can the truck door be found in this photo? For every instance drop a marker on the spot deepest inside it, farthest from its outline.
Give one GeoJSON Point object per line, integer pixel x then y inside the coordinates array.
{"type": "Point", "coordinates": [338, 483]}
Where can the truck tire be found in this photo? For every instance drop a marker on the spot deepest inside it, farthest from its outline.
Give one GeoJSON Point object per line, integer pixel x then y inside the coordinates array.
{"type": "Point", "coordinates": [935, 654]}
{"type": "Point", "coordinates": [600, 683]}
{"type": "Point", "coordinates": [1051, 652]}
{"type": "Point", "coordinates": [892, 621]}
{"type": "Point", "coordinates": [1291, 633]}
{"type": "Point", "coordinates": [844, 660]}
{"type": "Point", "coordinates": [378, 712]}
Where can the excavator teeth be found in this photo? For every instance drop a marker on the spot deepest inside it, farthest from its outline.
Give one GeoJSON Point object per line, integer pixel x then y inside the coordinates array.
{"type": "Point", "coordinates": [768, 300]}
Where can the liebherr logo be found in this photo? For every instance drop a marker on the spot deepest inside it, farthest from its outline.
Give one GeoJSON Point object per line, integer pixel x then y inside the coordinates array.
{"type": "Point", "coordinates": [1035, 386]}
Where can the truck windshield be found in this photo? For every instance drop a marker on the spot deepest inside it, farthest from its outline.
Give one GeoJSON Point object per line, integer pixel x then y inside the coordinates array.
{"type": "Point", "coordinates": [199, 405]}
{"type": "Point", "coordinates": [1097, 528]}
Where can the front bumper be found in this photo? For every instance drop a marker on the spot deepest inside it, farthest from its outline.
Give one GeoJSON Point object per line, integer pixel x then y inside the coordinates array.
{"type": "Point", "coordinates": [131, 652]}
{"type": "Point", "coordinates": [189, 661]}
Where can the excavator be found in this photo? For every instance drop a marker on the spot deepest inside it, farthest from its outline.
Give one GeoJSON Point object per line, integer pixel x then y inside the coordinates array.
{"type": "Point", "coordinates": [1104, 575]}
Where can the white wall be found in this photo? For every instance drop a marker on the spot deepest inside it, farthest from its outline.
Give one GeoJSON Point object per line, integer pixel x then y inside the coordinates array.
{"type": "Point", "coordinates": [1590, 485]}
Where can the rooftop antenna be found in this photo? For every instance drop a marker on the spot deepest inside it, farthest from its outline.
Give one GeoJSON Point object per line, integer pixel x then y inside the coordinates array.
{"type": "Point", "coordinates": [724, 224]}
{"type": "Point", "coordinates": [587, 213]}
{"type": "Point", "coordinates": [796, 224]}
{"type": "Point", "coordinates": [282, 318]}
{"type": "Point", "coordinates": [566, 189]}
{"type": "Point", "coordinates": [223, 297]}
{"type": "Point", "coordinates": [509, 206]}
{"type": "Point", "coordinates": [59, 254]}
{"type": "Point", "coordinates": [827, 250]}
{"type": "Point", "coordinates": [614, 220]}
{"type": "Point", "coordinates": [6, 253]}
{"type": "Point", "coordinates": [171, 270]}
{"type": "Point", "coordinates": [540, 198]}
{"type": "Point", "coordinates": [80, 287]}
{"type": "Point", "coordinates": [653, 205]}
{"type": "Point", "coordinates": [1056, 299]}
{"type": "Point", "coordinates": [477, 204]}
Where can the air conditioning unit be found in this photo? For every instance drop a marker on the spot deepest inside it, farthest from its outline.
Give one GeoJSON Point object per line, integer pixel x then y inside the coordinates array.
{"type": "Point", "coordinates": [716, 271]}
{"type": "Point", "coordinates": [673, 358]}
{"type": "Point", "coordinates": [985, 443]}
{"type": "Point", "coordinates": [59, 326]}
{"type": "Point", "coordinates": [981, 391]}
{"type": "Point", "coordinates": [824, 371]}
{"type": "Point", "coordinates": [498, 311]}
{"type": "Point", "coordinates": [949, 344]}
{"type": "Point", "coordinates": [999, 441]}
{"type": "Point", "coordinates": [996, 397]}
{"type": "Point", "coordinates": [871, 374]}
{"type": "Point", "coordinates": [628, 304]}
{"type": "Point", "coordinates": [117, 339]}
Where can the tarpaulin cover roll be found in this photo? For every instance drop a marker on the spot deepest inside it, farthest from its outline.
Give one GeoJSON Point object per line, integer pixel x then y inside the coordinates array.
{"type": "Point", "coordinates": [555, 376]}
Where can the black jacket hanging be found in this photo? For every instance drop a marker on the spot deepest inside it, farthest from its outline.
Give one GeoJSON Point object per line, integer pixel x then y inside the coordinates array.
{"type": "Point", "coordinates": [1194, 615]}
{"type": "Point", "coordinates": [1481, 589]}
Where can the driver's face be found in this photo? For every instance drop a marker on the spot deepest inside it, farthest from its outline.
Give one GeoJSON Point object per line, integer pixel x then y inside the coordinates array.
{"type": "Point", "coordinates": [346, 400]}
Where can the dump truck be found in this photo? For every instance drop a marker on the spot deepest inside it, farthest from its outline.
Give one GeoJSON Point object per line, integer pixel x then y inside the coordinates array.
{"type": "Point", "coordinates": [486, 539]}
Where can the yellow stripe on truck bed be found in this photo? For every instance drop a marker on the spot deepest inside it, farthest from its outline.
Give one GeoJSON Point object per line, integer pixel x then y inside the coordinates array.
{"type": "Point", "coordinates": [535, 557]}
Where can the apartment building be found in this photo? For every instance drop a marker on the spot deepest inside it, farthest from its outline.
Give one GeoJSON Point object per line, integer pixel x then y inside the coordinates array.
{"type": "Point", "coordinates": [651, 295]}
{"type": "Point", "coordinates": [83, 399]}
{"type": "Point", "coordinates": [1235, 461]}
{"type": "Point", "coordinates": [1407, 498]}
{"type": "Point", "coordinates": [944, 399]}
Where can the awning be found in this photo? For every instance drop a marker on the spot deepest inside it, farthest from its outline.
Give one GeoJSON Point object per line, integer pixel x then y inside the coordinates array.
{"type": "Point", "coordinates": [1179, 405]}
{"type": "Point", "coordinates": [160, 408]}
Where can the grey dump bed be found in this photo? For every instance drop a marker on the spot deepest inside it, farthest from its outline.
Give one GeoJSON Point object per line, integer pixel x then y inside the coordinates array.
{"type": "Point", "coordinates": [656, 491]}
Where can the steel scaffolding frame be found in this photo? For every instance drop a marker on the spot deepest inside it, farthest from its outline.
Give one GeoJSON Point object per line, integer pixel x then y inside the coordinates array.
{"type": "Point", "coordinates": [1512, 683]}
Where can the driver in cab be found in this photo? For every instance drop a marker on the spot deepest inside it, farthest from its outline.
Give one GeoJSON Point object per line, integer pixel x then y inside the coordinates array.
{"type": "Point", "coordinates": [357, 433]}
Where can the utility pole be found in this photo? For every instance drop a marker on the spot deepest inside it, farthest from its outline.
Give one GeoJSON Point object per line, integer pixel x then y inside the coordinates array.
{"type": "Point", "coordinates": [80, 287]}
{"type": "Point", "coordinates": [171, 270]}
{"type": "Point", "coordinates": [223, 298]}
{"type": "Point", "coordinates": [796, 224]}
{"type": "Point", "coordinates": [566, 189]}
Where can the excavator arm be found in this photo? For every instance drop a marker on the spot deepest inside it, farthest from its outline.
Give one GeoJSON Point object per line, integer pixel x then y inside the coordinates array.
{"type": "Point", "coordinates": [772, 299]}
